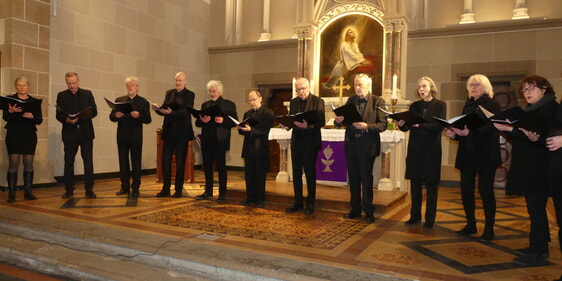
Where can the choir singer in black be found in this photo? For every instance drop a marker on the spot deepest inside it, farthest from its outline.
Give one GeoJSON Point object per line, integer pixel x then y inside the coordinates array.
{"type": "Point", "coordinates": [255, 149]}
{"type": "Point", "coordinates": [129, 136]}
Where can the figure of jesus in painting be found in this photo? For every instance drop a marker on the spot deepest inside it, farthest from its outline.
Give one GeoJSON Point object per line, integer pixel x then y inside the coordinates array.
{"type": "Point", "coordinates": [351, 58]}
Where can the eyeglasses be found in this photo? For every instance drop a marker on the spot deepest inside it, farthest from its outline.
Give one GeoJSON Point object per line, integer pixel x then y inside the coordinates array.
{"type": "Point", "coordinates": [300, 89]}
{"type": "Point", "coordinates": [474, 85]}
{"type": "Point", "coordinates": [252, 100]}
{"type": "Point", "coordinates": [529, 89]}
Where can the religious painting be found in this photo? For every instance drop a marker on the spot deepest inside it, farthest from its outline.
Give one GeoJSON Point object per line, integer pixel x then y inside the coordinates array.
{"type": "Point", "coordinates": [351, 45]}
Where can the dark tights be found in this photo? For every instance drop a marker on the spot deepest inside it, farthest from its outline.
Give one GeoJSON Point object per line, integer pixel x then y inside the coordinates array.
{"type": "Point", "coordinates": [14, 162]}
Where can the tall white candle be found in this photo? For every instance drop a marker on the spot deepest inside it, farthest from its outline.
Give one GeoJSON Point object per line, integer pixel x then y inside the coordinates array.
{"type": "Point", "coordinates": [394, 85]}
{"type": "Point", "coordinates": [294, 87]}
{"type": "Point", "coordinates": [311, 86]}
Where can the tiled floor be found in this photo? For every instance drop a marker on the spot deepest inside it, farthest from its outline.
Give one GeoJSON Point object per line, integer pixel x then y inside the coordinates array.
{"type": "Point", "coordinates": [386, 246]}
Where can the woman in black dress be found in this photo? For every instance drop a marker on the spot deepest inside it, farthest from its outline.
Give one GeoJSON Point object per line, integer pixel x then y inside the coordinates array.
{"type": "Point", "coordinates": [423, 163]}
{"type": "Point", "coordinates": [528, 173]}
{"type": "Point", "coordinates": [21, 137]}
{"type": "Point", "coordinates": [478, 154]}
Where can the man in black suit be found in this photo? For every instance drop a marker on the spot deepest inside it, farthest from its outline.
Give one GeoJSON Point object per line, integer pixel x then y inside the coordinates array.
{"type": "Point", "coordinates": [129, 136]}
{"type": "Point", "coordinates": [77, 131]}
{"type": "Point", "coordinates": [306, 141]}
{"type": "Point", "coordinates": [177, 131]}
{"type": "Point", "coordinates": [255, 149]}
{"type": "Point", "coordinates": [215, 138]}
{"type": "Point", "coordinates": [362, 146]}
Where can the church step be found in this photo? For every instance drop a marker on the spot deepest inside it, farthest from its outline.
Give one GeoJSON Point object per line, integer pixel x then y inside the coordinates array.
{"type": "Point", "coordinates": [93, 256]}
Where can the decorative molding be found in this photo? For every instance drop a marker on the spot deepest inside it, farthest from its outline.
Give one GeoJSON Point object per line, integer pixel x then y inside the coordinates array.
{"type": "Point", "coordinates": [487, 27]}
{"type": "Point", "coordinates": [350, 8]}
{"type": "Point", "coordinates": [254, 46]}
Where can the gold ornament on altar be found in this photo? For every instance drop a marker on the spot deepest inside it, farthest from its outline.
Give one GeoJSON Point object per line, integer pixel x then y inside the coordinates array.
{"type": "Point", "coordinates": [328, 152]}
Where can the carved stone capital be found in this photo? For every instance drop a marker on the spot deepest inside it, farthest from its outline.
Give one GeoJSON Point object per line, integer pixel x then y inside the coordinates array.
{"type": "Point", "coordinates": [395, 25]}
{"type": "Point", "coordinates": [304, 31]}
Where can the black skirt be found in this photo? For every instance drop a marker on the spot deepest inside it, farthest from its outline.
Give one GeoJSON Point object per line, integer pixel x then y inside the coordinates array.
{"type": "Point", "coordinates": [21, 143]}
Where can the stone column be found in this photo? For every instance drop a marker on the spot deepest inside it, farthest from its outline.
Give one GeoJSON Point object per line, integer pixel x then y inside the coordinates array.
{"type": "Point", "coordinates": [467, 15]}
{"type": "Point", "coordinates": [305, 31]}
{"type": "Point", "coordinates": [520, 11]}
{"type": "Point", "coordinates": [304, 51]}
{"type": "Point", "coordinates": [396, 35]}
{"type": "Point", "coordinates": [266, 35]}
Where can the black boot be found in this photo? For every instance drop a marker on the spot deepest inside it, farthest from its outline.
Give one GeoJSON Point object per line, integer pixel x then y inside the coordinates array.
{"type": "Point", "coordinates": [12, 182]}
{"type": "Point", "coordinates": [27, 182]}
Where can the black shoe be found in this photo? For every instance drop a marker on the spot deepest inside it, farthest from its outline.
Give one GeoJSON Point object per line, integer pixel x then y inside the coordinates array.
{"type": "Point", "coordinates": [177, 194]}
{"type": "Point", "coordinates": [90, 194]}
{"type": "Point", "coordinates": [260, 204]}
{"type": "Point", "coordinates": [528, 252]}
{"type": "Point", "coordinates": [294, 208]}
{"type": "Point", "coordinates": [532, 259]}
{"type": "Point", "coordinates": [221, 199]}
{"type": "Point", "coordinates": [122, 192]}
{"type": "Point", "coordinates": [309, 208]}
{"type": "Point", "coordinates": [135, 194]}
{"type": "Point", "coordinates": [204, 196]}
{"type": "Point", "coordinates": [163, 193]}
{"type": "Point", "coordinates": [351, 216]}
{"type": "Point", "coordinates": [369, 218]}
{"type": "Point", "coordinates": [68, 194]}
{"type": "Point", "coordinates": [247, 203]}
{"type": "Point", "coordinates": [523, 251]}
{"type": "Point", "coordinates": [412, 221]}
{"type": "Point", "coordinates": [428, 225]}
{"type": "Point", "coordinates": [468, 229]}
{"type": "Point", "coordinates": [488, 235]}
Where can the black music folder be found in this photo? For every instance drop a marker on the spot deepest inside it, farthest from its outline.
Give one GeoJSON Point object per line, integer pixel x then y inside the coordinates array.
{"type": "Point", "coordinates": [124, 107]}
{"type": "Point", "coordinates": [251, 121]}
{"type": "Point", "coordinates": [211, 111]}
{"type": "Point", "coordinates": [408, 116]}
{"type": "Point", "coordinates": [83, 113]}
{"type": "Point", "coordinates": [311, 116]}
{"type": "Point", "coordinates": [29, 105]}
{"type": "Point", "coordinates": [472, 121]}
{"type": "Point", "coordinates": [349, 113]}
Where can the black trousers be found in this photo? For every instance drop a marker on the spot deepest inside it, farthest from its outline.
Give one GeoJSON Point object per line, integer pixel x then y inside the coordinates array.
{"type": "Point", "coordinates": [255, 170]}
{"type": "Point", "coordinates": [134, 150]}
{"type": "Point", "coordinates": [86, 151]}
{"type": "Point", "coordinates": [215, 155]}
{"type": "Point", "coordinates": [556, 191]}
{"type": "Point", "coordinates": [360, 174]}
{"type": "Point", "coordinates": [485, 188]}
{"type": "Point", "coordinates": [539, 235]}
{"type": "Point", "coordinates": [430, 203]}
{"type": "Point", "coordinates": [304, 158]}
{"type": "Point", "coordinates": [178, 146]}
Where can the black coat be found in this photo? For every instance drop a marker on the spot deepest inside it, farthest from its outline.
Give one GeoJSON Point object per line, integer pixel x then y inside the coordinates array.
{"type": "Point", "coordinates": [528, 173]}
{"type": "Point", "coordinates": [74, 103]}
{"type": "Point", "coordinates": [256, 141]}
{"type": "Point", "coordinates": [21, 134]}
{"type": "Point", "coordinates": [215, 134]}
{"type": "Point", "coordinates": [178, 123]}
{"type": "Point", "coordinates": [481, 147]}
{"type": "Point", "coordinates": [376, 123]}
{"type": "Point", "coordinates": [423, 161]}
{"type": "Point", "coordinates": [129, 129]}
{"type": "Point", "coordinates": [309, 138]}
